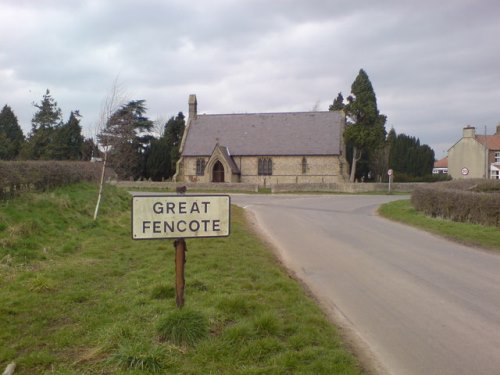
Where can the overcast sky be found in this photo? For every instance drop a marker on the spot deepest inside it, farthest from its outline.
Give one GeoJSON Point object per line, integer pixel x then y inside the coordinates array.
{"type": "Point", "coordinates": [434, 65]}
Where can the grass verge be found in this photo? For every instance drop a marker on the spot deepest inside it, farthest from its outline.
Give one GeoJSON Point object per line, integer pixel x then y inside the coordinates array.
{"type": "Point", "coordinates": [469, 234]}
{"type": "Point", "coordinates": [81, 297]}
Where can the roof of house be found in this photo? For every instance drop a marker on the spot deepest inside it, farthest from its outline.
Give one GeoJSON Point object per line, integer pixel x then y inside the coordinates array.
{"type": "Point", "coordinates": [441, 163]}
{"type": "Point", "coordinates": [491, 141]}
{"type": "Point", "coordinates": [300, 133]}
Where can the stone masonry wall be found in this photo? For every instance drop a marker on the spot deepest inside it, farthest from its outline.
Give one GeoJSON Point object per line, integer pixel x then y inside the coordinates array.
{"type": "Point", "coordinates": [286, 169]}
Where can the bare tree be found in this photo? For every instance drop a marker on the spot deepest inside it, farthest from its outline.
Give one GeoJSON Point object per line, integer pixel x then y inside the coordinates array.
{"type": "Point", "coordinates": [159, 127]}
{"type": "Point", "coordinates": [113, 100]}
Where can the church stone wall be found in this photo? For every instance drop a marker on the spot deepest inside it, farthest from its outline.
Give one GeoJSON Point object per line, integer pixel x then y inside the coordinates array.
{"type": "Point", "coordinates": [286, 170]}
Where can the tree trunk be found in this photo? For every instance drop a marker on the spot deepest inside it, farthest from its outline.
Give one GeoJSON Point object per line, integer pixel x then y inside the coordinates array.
{"type": "Point", "coordinates": [356, 155]}
{"type": "Point", "coordinates": [101, 184]}
{"type": "Point", "coordinates": [10, 369]}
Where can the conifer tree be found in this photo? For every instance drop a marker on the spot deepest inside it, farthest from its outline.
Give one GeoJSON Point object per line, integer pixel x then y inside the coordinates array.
{"type": "Point", "coordinates": [365, 128]}
{"type": "Point", "coordinates": [174, 129]}
{"type": "Point", "coordinates": [165, 151]}
{"type": "Point", "coordinates": [408, 158]}
{"type": "Point", "coordinates": [68, 139]}
{"type": "Point", "coordinates": [44, 122]}
{"type": "Point", "coordinates": [11, 135]}
{"type": "Point", "coordinates": [338, 103]}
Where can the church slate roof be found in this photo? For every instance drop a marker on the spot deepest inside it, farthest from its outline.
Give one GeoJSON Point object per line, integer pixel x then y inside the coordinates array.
{"type": "Point", "coordinates": [269, 134]}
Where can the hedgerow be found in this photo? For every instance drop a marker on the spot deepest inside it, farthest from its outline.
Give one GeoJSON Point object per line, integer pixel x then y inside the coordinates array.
{"type": "Point", "coordinates": [473, 201]}
{"type": "Point", "coordinates": [20, 176]}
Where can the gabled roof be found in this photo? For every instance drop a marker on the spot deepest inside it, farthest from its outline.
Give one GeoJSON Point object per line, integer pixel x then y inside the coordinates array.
{"type": "Point", "coordinates": [300, 133]}
{"type": "Point", "coordinates": [224, 152]}
{"type": "Point", "coordinates": [491, 141]}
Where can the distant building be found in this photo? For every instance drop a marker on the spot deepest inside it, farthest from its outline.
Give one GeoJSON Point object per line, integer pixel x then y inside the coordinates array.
{"type": "Point", "coordinates": [475, 156]}
{"type": "Point", "coordinates": [441, 166]}
{"type": "Point", "coordinates": [263, 148]}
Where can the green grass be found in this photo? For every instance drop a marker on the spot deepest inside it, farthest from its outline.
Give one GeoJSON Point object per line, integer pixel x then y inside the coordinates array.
{"type": "Point", "coordinates": [469, 234]}
{"type": "Point", "coordinates": [81, 297]}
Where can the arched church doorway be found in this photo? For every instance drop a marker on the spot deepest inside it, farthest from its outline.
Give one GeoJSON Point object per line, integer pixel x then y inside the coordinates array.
{"type": "Point", "coordinates": [218, 172]}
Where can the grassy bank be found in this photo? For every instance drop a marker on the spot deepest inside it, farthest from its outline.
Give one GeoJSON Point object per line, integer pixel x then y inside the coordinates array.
{"type": "Point", "coordinates": [469, 234]}
{"type": "Point", "coordinates": [80, 297]}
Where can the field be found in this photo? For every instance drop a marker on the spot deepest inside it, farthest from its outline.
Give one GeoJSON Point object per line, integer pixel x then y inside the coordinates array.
{"type": "Point", "coordinates": [81, 297]}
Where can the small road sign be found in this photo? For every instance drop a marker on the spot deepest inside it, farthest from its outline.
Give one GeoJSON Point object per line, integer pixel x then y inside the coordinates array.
{"type": "Point", "coordinates": [465, 171]}
{"type": "Point", "coordinates": [390, 172]}
{"type": "Point", "coordinates": [180, 216]}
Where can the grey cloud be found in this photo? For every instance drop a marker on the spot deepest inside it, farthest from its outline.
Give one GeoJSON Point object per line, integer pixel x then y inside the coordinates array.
{"type": "Point", "coordinates": [434, 66]}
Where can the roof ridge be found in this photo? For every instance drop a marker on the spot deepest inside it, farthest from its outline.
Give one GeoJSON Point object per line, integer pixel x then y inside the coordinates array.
{"type": "Point", "coordinates": [264, 113]}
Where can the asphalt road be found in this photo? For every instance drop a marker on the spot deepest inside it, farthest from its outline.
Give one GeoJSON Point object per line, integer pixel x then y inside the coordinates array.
{"type": "Point", "coordinates": [413, 303]}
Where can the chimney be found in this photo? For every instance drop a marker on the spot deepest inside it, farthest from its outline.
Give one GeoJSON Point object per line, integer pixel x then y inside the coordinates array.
{"type": "Point", "coordinates": [469, 132]}
{"type": "Point", "coordinates": [193, 106]}
{"type": "Point", "coordinates": [498, 129]}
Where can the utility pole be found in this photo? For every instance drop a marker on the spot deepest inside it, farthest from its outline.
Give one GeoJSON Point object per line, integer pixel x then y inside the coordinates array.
{"type": "Point", "coordinates": [486, 175]}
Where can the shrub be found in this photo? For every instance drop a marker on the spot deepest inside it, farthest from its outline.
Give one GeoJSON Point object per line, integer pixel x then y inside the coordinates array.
{"type": "Point", "coordinates": [473, 201]}
{"type": "Point", "coordinates": [19, 176]}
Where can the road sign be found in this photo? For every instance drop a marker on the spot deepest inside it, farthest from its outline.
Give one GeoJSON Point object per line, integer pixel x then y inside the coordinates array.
{"type": "Point", "coordinates": [180, 216]}
{"type": "Point", "coordinates": [390, 172]}
{"type": "Point", "coordinates": [465, 171]}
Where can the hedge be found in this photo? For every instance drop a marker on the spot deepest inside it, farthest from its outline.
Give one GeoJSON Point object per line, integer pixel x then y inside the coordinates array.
{"type": "Point", "coordinates": [20, 176]}
{"type": "Point", "coordinates": [473, 201]}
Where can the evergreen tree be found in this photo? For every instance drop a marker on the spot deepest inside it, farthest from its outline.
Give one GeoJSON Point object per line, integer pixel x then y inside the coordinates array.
{"type": "Point", "coordinates": [365, 128]}
{"type": "Point", "coordinates": [408, 158]}
{"type": "Point", "coordinates": [43, 123]}
{"type": "Point", "coordinates": [338, 103]}
{"type": "Point", "coordinates": [68, 139]}
{"type": "Point", "coordinates": [11, 135]}
{"type": "Point", "coordinates": [159, 163]}
{"type": "Point", "coordinates": [164, 153]}
{"type": "Point", "coordinates": [174, 129]}
{"type": "Point", "coordinates": [48, 115]}
{"type": "Point", "coordinates": [127, 135]}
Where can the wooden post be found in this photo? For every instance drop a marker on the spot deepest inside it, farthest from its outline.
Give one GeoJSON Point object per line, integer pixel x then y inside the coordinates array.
{"type": "Point", "coordinates": [180, 260]}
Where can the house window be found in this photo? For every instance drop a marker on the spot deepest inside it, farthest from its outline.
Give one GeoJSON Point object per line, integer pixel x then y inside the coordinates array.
{"type": "Point", "coordinates": [304, 165]}
{"type": "Point", "coordinates": [495, 174]}
{"type": "Point", "coordinates": [265, 167]}
{"type": "Point", "coordinates": [497, 157]}
{"type": "Point", "coordinates": [200, 167]}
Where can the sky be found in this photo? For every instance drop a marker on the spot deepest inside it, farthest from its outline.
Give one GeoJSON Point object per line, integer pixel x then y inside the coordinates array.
{"type": "Point", "coordinates": [434, 65]}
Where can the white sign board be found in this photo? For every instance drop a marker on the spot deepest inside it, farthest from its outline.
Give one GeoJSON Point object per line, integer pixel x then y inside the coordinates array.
{"type": "Point", "coordinates": [180, 216]}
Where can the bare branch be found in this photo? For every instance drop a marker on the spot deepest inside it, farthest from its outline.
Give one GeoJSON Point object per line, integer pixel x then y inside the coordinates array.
{"type": "Point", "coordinates": [114, 100]}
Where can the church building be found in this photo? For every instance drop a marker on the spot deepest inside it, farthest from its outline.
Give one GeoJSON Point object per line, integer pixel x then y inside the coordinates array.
{"type": "Point", "coordinates": [263, 148]}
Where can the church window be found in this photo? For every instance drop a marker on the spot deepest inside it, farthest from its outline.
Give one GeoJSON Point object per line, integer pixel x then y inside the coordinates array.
{"type": "Point", "coordinates": [304, 165]}
{"type": "Point", "coordinates": [200, 167]}
{"type": "Point", "coordinates": [265, 167]}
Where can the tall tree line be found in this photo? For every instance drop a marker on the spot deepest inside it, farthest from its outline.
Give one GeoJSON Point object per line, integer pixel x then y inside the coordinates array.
{"type": "Point", "coordinates": [134, 152]}
{"type": "Point", "coordinates": [407, 157]}
{"type": "Point", "coordinates": [50, 138]}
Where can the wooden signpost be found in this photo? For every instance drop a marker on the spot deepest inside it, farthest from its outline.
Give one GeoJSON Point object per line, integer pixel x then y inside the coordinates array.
{"type": "Point", "coordinates": [179, 217]}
